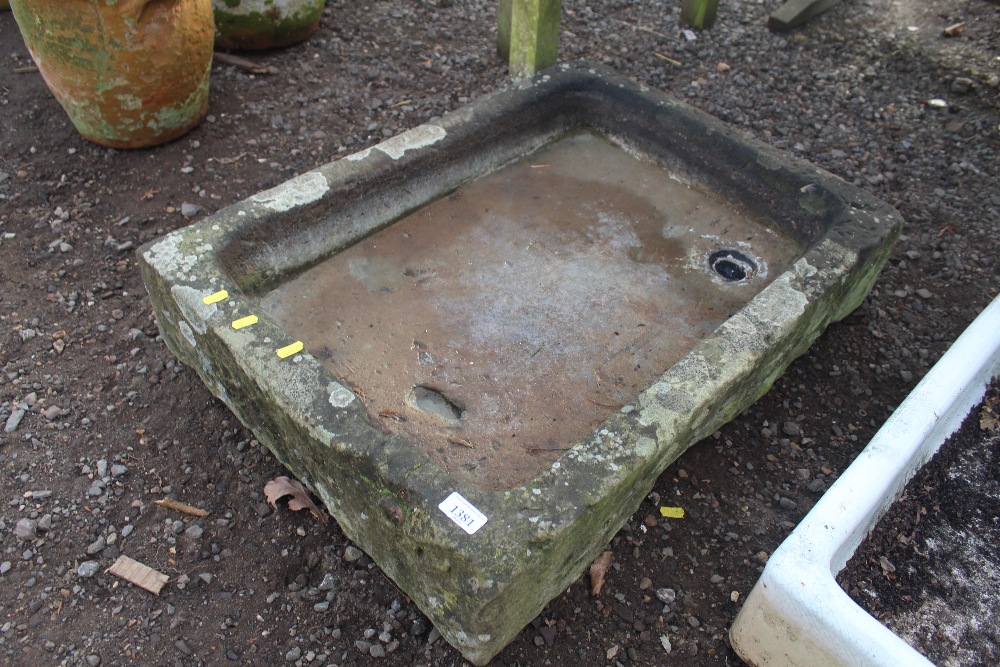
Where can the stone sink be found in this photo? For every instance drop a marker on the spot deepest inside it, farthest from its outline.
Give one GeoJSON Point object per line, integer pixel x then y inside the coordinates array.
{"type": "Point", "coordinates": [481, 341]}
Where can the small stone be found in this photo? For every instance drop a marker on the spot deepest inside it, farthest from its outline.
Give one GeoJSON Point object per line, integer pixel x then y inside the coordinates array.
{"type": "Point", "coordinates": [352, 554]}
{"type": "Point", "coordinates": [693, 622]}
{"type": "Point", "coordinates": [666, 595]}
{"type": "Point", "coordinates": [923, 293]}
{"type": "Point", "coordinates": [194, 532]}
{"type": "Point", "coordinates": [5, 567]}
{"type": "Point", "coordinates": [96, 546]}
{"type": "Point", "coordinates": [433, 636]}
{"type": "Point", "coordinates": [418, 628]}
{"type": "Point", "coordinates": [645, 583]}
{"type": "Point", "coordinates": [377, 651]}
{"type": "Point", "coordinates": [206, 577]}
{"type": "Point", "coordinates": [791, 429]}
{"type": "Point", "coordinates": [548, 634]}
{"type": "Point", "coordinates": [53, 412]}
{"type": "Point", "coordinates": [117, 470]}
{"type": "Point", "coordinates": [328, 583]}
{"type": "Point", "coordinates": [188, 209]}
{"type": "Point", "coordinates": [962, 85]}
{"type": "Point", "coordinates": [93, 660]}
{"type": "Point", "coordinates": [26, 529]}
{"type": "Point", "coordinates": [321, 606]}
{"type": "Point", "coordinates": [817, 486]}
{"type": "Point", "coordinates": [127, 529]}
{"type": "Point", "coordinates": [182, 646]}
{"type": "Point", "coordinates": [787, 504]}
{"type": "Point", "coordinates": [88, 568]}
{"type": "Point", "coordinates": [13, 421]}
{"type": "Point", "coordinates": [716, 579]}
{"type": "Point", "coordinates": [293, 654]}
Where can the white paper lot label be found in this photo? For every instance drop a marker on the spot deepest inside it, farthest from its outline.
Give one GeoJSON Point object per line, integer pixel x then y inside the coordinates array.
{"type": "Point", "coordinates": [462, 512]}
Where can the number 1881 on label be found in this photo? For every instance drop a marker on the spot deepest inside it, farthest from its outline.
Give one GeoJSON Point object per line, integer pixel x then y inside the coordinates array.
{"type": "Point", "coordinates": [463, 513]}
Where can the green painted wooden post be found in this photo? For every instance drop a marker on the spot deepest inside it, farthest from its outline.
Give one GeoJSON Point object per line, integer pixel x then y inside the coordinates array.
{"type": "Point", "coordinates": [699, 13]}
{"type": "Point", "coordinates": [503, 28]}
{"type": "Point", "coordinates": [534, 35]}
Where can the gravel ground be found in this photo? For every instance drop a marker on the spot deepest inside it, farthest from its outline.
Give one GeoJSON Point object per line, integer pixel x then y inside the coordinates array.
{"type": "Point", "coordinates": [100, 421]}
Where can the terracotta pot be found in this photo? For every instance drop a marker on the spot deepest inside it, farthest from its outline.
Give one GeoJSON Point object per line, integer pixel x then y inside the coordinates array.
{"type": "Point", "coordinates": [130, 73]}
{"type": "Point", "coordinates": [264, 24]}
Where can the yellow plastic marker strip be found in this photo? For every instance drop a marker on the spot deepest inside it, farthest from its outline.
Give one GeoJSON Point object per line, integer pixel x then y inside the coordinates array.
{"type": "Point", "coordinates": [672, 512]}
{"type": "Point", "coordinates": [289, 350]}
{"type": "Point", "coordinates": [221, 295]}
{"type": "Point", "coordinates": [244, 321]}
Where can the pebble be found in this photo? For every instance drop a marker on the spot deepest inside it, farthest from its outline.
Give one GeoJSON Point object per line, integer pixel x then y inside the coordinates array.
{"type": "Point", "coordinates": [88, 568]}
{"type": "Point", "coordinates": [328, 583]}
{"type": "Point", "coordinates": [25, 529]}
{"type": "Point", "coordinates": [182, 646]}
{"type": "Point", "coordinates": [194, 532]}
{"type": "Point", "coordinates": [293, 654]}
{"type": "Point", "coordinates": [13, 421]}
{"type": "Point", "coordinates": [377, 651]}
{"type": "Point", "coordinates": [352, 554]}
{"type": "Point", "coordinates": [5, 567]}
{"type": "Point", "coordinates": [96, 546]}
{"type": "Point", "coordinates": [666, 595]}
{"type": "Point", "coordinates": [787, 503]}
{"type": "Point", "coordinates": [188, 210]}
{"type": "Point", "coordinates": [93, 660]}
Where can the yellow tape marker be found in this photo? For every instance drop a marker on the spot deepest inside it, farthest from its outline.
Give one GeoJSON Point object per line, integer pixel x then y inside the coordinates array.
{"type": "Point", "coordinates": [672, 512]}
{"type": "Point", "coordinates": [289, 350]}
{"type": "Point", "coordinates": [221, 295]}
{"type": "Point", "coordinates": [244, 321]}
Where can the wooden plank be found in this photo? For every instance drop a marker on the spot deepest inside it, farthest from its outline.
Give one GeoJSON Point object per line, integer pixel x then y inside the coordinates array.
{"type": "Point", "coordinates": [794, 13]}
{"type": "Point", "coordinates": [141, 575]}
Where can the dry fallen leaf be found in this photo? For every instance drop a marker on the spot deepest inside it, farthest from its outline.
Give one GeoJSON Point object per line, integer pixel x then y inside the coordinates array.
{"type": "Point", "coordinates": [597, 571]}
{"type": "Point", "coordinates": [279, 487]}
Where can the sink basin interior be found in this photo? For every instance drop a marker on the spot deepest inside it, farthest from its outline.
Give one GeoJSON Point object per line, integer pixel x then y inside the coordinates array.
{"type": "Point", "coordinates": [499, 325]}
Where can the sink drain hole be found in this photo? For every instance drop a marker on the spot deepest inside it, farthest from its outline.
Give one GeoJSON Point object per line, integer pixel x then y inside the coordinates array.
{"type": "Point", "coordinates": [434, 402]}
{"type": "Point", "coordinates": [732, 265]}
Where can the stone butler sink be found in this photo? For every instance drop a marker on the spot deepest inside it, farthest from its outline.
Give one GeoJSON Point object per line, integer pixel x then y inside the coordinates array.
{"type": "Point", "coordinates": [482, 340]}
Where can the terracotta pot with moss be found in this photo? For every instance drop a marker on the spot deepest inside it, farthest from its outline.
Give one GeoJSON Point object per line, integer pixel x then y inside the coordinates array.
{"type": "Point", "coordinates": [129, 73]}
{"type": "Point", "coordinates": [264, 24]}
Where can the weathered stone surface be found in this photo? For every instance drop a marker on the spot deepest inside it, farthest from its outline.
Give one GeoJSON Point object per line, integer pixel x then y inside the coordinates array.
{"type": "Point", "coordinates": [480, 589]}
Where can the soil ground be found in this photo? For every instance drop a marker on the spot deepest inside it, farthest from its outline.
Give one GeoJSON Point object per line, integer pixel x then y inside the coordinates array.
{"type": "Point", "coordinates": [930, 569]}
{"type": "Point", "coordinates": [871, 91]}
